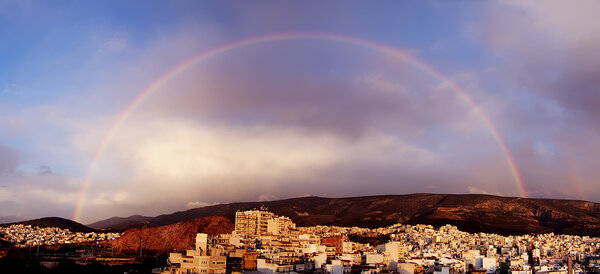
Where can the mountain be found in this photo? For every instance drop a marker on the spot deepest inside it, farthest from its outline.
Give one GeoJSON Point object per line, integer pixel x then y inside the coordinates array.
{"type": "Point", "coordinates": [179, 236]}
{"type": "Point", "coordinates": [121, 222]}
{"type": "Point", "coordinates": [55, 222]}
{"type": "Point", "coordinates": [470, 212]}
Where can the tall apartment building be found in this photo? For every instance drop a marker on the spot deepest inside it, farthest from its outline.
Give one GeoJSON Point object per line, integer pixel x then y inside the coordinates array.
{"type": "Point", "coordinates": [260, 222]}
{"type": "Point", "coordinates": [197, 261]}
{"type": "Point", "coordinates": [202, 243]}
{"type": "Point", "coordinates": [252, 222]}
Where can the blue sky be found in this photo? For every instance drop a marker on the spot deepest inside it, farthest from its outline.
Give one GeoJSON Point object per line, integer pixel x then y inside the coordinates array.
{"type": "Point", "coordinates": [291, 118]}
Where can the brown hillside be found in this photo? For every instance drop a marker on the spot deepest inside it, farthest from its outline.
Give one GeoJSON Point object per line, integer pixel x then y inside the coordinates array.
{"type": "Point", "coordinates": [179, 236]}
{"type": "Point", "coordinates": [470, 212]}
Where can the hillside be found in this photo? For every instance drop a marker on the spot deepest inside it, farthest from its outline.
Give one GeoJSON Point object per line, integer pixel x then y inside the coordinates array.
{"type": "Point", "coordinates": [55, 222]}
{"type": "Point", "coordinates": [470, 212]}
{"type": "Point", "coordinates": [121, 222]}
{"type": "Point", "coordinates": [178, 236]}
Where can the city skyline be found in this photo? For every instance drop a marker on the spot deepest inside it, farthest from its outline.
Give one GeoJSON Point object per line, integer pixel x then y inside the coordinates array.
{"type": "Point", "coordinates": [111, 108]}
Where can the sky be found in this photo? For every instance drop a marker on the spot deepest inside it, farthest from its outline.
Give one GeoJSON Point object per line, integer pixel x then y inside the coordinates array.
{"type": "Point", "coordinates": [115, 108]}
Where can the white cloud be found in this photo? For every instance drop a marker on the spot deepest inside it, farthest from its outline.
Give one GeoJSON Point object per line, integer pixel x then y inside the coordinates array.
{"type": "Point", "coordinates": [476, 190]}
{"type": "Point", "coordinates": [267, 197]}
{"type": "Point", "coordinates": [199, 204]}
{"type": "Point", "coordinates": [563, 21]}
{"type": "Point", "coordinates": [169, 160]}
{"type": "Point", "coordinates": [117, 42]}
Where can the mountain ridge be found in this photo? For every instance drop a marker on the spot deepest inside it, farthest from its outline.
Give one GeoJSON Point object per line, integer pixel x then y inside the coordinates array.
{"type": "Point", "coordinates": [470, 212]}
{"type": "Point", "coordinates": [120, 221]}
{"type": "Point", "coordinates": [54, 222]}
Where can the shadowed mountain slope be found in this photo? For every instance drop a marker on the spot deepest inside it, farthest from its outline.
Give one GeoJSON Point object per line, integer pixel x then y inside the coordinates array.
{"type": "Point", "coordinates": [470, 212]}
{"type": "Point", "coordinates": [122, 222]}
{"type": "Point", "coordinates": [55, 222]}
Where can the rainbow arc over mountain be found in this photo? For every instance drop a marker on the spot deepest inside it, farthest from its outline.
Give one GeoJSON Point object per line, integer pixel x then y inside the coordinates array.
{"type": "Point", "coordinates": [389, 51]}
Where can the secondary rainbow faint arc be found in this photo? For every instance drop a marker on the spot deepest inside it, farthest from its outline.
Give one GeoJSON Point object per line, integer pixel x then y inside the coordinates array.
{"type": "Point", "coordinates": [283, 37]}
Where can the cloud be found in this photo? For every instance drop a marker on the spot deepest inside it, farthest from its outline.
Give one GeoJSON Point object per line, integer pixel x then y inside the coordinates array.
{"type": "Point", "coordinates": [436, 46]}
{"type": "Point", "coordinates": [547, 48]}
{"type": "Point", "coordinates": [9, 159]}
{"type": "Point", "coordinates": [9, 219]}
{"type": "Point", "coordinates": [259, 123]}
{"type": "Point", "coordinates": [199, 204]}
{"type": "Point", "coordinates": [44, 170]}
{"type": "Point", "coordinates": [117, 42]}
{"type": "Point", "coordinates": [267, 197]}
{"type": "Point", "coordinates": [545, 77]}
{"type": "Point", "coordinates": [30, 196]}
{"type": "Point", "coordinates": [13, 90]}
{"type": "Point", "coordinates": [153, 164]}
{"type": "Point", "coordinates": [476, 190]}
{"type": "Point", "coordinates": [355, 91]}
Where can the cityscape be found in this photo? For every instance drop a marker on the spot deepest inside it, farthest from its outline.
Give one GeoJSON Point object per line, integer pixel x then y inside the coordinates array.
{"type": "Point", "coordinates": [26, 236]}
{"type": "Point", "coordinates": [268, 243]}
{"type": "Point", "coordinates": [264, 242]}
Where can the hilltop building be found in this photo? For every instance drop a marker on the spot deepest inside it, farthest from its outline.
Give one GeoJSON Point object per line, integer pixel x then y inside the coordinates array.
{"type": "Point", "coordinates": [253, 223]}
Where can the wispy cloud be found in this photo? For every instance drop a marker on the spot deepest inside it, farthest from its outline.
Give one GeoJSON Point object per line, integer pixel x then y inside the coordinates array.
{"type": "Point", "coordinates": [116, 42]}
{"type": "Point", "coordinates": [9, 159]}
{"type": "Point", "coordinates": [44, 170]}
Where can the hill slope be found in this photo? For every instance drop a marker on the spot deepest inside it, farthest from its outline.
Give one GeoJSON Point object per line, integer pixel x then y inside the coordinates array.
{"type": "Point", "coordinates": [470, 212]}
{"type": "Point", "coordinates": [180, 236]}
{"type": "Point", "coordinates": [121, 222]}
{"type": "Point", "coordinates": [55, 222]}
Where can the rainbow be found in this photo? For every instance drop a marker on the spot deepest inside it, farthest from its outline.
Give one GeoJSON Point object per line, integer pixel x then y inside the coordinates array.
{"type": "Point", "coordinates": [395, 53]}
{"type": "Point", "coordinates": [573, 174]}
